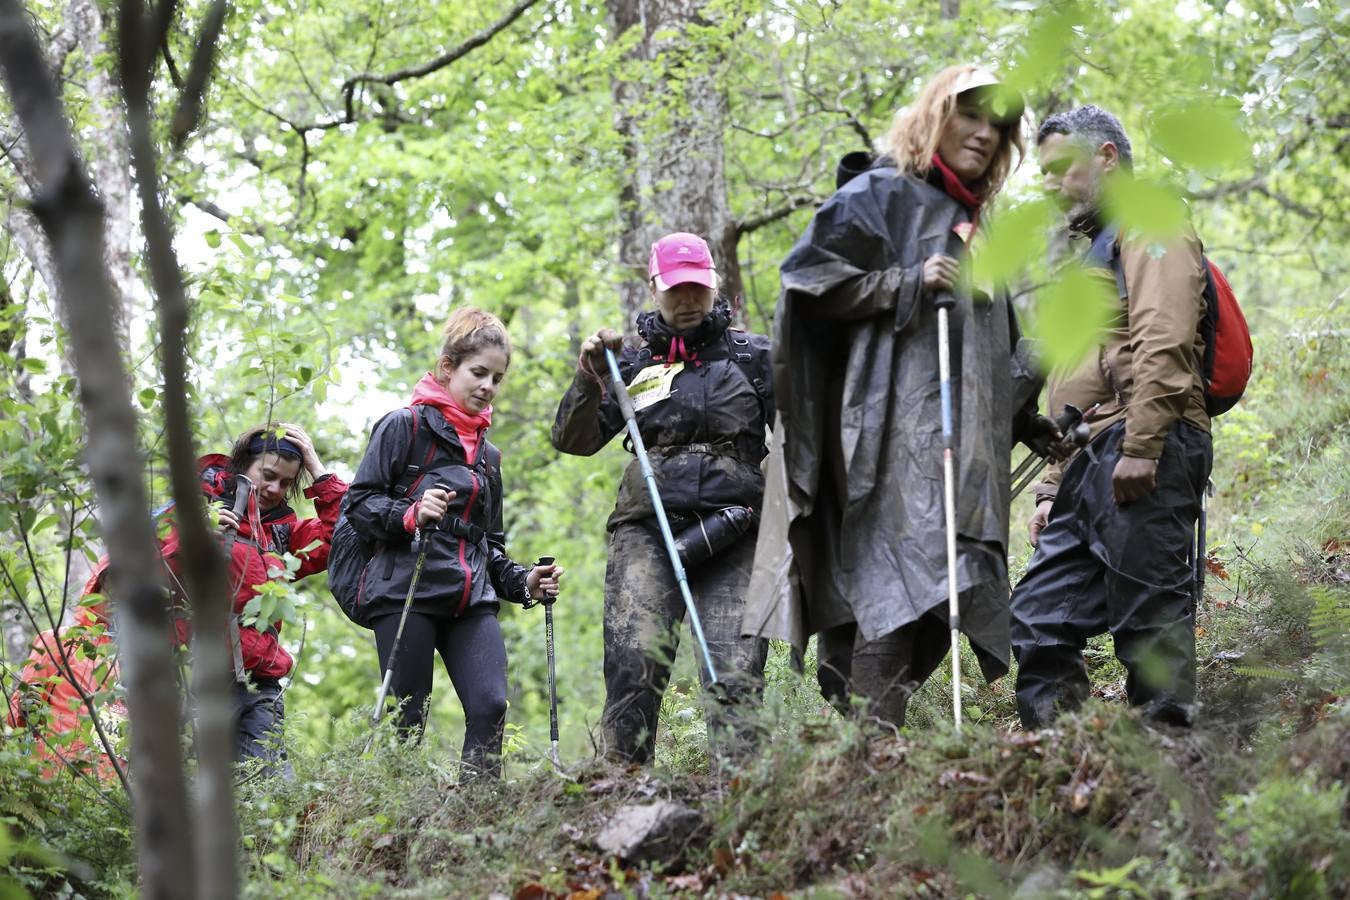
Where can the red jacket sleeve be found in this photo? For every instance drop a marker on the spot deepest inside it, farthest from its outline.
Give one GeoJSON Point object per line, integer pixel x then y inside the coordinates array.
{"type": "Point", "coordinates": [327, 494]}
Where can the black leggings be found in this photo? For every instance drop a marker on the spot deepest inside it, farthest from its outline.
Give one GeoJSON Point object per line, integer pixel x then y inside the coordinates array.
{"type": "Point", "coordinates": [475, 657]}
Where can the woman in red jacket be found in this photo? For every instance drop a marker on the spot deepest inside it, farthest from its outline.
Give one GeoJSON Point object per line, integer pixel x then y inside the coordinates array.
{"type": "Point", "coordinates": [274, 458]}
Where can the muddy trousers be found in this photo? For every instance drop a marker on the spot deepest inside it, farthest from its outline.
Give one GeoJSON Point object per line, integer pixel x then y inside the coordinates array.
{"type": "Point", "coordinates": [883, 673]}
{"type": "Point", "coordinates": [475, 658]}
{"type": "Point", "coordinates": [643, 612]}
{"type": "Point", "coordinates": [260, 713]}
{"type": "Point", "coordinates": [1101, 567]}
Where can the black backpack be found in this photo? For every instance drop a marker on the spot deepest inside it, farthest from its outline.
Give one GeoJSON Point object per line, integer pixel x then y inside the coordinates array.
{"type": "Point", "coordinates": [349, 553]}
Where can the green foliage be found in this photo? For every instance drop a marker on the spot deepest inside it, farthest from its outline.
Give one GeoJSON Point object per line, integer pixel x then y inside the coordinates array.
{"type": "Point", "coordinates": [1293, 831]}
{"type": "Point", "coordinates": [1071, 315]}
{"type": "Point", "coordinates": [61, 836]}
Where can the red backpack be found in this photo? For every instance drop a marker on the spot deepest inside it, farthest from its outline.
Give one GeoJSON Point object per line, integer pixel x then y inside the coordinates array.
{"type": "Point", "coordinates": [1227, 362]}
{"type": "Point", "coordinates": [1227, 365]}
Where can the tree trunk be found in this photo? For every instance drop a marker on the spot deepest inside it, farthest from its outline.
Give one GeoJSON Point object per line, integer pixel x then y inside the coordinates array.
{"type": "Point", "coordinates": [203, 565]}
{"type": "Point", "coordinates": [72, 217]}
{"type": "Point", "coordinates": [950, 9]}
{"type": "Point", "coordinates": [671, 115]}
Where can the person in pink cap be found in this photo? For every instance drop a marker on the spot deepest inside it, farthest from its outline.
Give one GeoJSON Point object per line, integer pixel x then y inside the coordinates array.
{"type": "Point", "coordinates": [702, 395]}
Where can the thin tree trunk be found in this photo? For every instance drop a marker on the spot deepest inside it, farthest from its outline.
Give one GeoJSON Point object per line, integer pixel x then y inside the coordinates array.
{"type": "Point", "coordinates": [72, 217]}
{"type": "Point", "coordinates": [950, 9]}
{"type": "Point", "coordinates": [203, 565]}
{"type": "Point", "coordinates": [673, 148]}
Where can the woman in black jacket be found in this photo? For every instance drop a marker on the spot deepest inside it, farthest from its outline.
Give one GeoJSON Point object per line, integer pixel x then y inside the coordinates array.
{"type": "Point", "coordinates": [455, 505]}
{"type": "Point", "coordinates": [701, 393]}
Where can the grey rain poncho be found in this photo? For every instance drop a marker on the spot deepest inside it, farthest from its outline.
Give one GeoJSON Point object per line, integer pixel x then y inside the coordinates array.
{"type": "Point", "coordinates": [852, 529]}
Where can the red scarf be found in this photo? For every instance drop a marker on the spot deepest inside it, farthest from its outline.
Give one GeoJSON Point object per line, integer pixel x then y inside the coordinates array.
{"type": "Point", "coordinates": [957, 190]}
{"type": "Point", "coordinates": [468, 426]}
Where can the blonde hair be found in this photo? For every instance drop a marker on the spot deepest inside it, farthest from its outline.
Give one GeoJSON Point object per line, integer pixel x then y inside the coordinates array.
{"type": "Point", "coordinates": [469, 330]}
{"type": "Point", "coordinates": [917, 131]}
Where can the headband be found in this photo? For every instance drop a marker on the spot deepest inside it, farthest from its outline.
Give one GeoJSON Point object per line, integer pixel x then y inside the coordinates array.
{"type": "Point", "coordinates": [268, 443]}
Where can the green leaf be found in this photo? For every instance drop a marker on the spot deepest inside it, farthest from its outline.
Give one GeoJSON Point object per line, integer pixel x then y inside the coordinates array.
{"type": "Point", "coordinates": [1071, 315]}
{"type": "Point", "coordinates": [212, 238]}
{"type": "Point", "coordinates": [1014, 240]}
{"type": "Point", "coordinates": [1205, 136]}
{"type": "Point", "coordinates": [1153, 210]}
{"type": "Point", "coordinates": [147, 397]}
{"type": "Point", "coordinates": [34, 365]}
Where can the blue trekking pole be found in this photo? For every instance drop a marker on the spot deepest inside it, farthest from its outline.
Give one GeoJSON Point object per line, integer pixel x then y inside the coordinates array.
{"type": "Point", "coordinates": [626, 406]}
{"type": "Point", "coordinates": [944, 302]}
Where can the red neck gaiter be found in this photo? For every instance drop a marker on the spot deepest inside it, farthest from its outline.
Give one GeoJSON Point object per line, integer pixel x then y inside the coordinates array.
{"type": "Point", "coordinates": [468, 426]}
{"type": "Point", "coordinates": [957, 190]}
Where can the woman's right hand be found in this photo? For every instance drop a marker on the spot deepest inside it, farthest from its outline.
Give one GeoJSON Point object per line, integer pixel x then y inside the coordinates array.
{"type": "Point", "coordinates": [940, 273]}
{"type": "Point", "coordinates": [593, 348]}
{"type": "Point", "coordinates": [226, 520]}
{"type": "Point", "coordinates": [432, 506]}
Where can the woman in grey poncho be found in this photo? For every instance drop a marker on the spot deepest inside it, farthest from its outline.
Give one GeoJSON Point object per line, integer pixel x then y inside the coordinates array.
{"type": "Point", "coordinates": [856, 382]}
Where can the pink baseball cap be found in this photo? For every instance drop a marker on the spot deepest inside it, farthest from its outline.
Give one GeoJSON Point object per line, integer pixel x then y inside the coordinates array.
{"type": "Point", "coordinates": [681, 258]}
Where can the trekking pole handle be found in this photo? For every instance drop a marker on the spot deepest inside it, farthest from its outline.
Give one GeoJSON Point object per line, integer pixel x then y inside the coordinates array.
{"type": "Point", "coordinates": [944, 300]}
{"type": "Point", "coordinates": [243, 487]}
{"type": "Point", "coordinates": [1066, 420]}
{"type": "Point", "coordinates": [547, 561]}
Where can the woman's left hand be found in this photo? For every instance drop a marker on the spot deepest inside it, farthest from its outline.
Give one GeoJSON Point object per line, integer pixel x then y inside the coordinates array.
{"type": "Point", "coordinates": [543, 581]}
{"type": "Point", "coordinates": [309, 456]}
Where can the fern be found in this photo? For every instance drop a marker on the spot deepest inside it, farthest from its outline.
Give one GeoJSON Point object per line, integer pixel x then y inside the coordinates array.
{"type": "Point", "coordinates": [1329, 624]}
{"type": "Point", "coordinates": [1269, 673]}
{"type": "Point", "coordinates": [17, 808]}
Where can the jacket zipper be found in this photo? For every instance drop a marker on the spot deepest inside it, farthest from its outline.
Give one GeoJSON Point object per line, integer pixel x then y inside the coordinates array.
{"type": "Point", "coordinates": [468, 510]}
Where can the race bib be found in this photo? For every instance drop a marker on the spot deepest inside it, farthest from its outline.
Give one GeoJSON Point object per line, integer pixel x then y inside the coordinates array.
{"type": "Point", "coordinates": [652, 385]}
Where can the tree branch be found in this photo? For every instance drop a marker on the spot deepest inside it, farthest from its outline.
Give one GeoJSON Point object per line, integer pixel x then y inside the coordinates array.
{"type": "Point", "coordinates": [189, 110]}
{"type": "Point", "coordinates": [349, 86]}
{"type": "Point", "coordinates": [754, 223]}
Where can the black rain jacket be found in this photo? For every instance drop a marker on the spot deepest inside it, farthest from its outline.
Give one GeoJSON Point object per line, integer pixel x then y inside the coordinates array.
{"type": "Point", "coordinates": [705, 441]}
{"type": "Point", "coordinates": [466, 566]}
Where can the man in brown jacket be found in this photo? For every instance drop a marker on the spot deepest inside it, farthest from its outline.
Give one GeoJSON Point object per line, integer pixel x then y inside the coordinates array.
{"type": "Point", "coordinates": [1114, 524]}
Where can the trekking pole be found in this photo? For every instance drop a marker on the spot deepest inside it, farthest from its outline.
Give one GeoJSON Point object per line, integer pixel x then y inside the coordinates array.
{"type": "Point", "coordinates": [944, 302]}
{"type": "Point", "coordinates": [422, 540]}
{"type": "Point", "coordinates": [1075, 430]}
{"type": "Point", "coordinates": [626, 405]}
{"type": "Point", "coordinates": [243, 488]}
{"type": "Point", "coordinates": [1201, 554]}
{"type": "Point", "coordinates": [552, 672]}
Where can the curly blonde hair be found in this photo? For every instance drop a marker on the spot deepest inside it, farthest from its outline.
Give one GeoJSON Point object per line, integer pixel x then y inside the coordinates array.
{"type": "Point", "coordinates": [917, 131]}
{"type": "Point", "coordinates": [469, 330]}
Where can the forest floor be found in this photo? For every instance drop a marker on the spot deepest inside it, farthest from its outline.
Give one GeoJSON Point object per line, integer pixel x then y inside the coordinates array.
{"type": "Point", "coordinates": [1251, 803]}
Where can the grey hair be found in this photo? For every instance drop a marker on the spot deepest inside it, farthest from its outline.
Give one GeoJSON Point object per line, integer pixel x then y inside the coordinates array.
{"type": "Point", "coordinates": [1089, 124]}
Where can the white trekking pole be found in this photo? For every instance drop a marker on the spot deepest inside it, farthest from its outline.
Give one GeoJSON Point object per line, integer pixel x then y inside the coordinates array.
{"type": "Point", "coordinates": [944, 302]}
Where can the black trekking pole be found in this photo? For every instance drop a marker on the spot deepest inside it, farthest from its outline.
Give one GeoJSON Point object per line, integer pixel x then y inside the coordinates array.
{"type": "Point", "coordinates": [1075, 430]}
{"type": "Point", "coordinates": [421, 540]}
{"type": "Point", "coordinates": [552, 672]}
{"type": "Point", "coordinates": [640, 449]}
{"type": "Point", "coordinates": [243, 489]}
